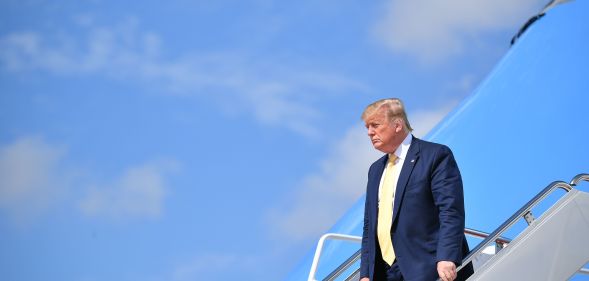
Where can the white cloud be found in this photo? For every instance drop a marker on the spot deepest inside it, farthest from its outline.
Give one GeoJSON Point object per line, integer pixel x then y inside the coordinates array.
{"type": "Point", "coordinates": [112, 51]}
{"type": "Point", "coordinates": [433, 30]}
{"type": "Point", "coordinates": [34, 179]}
{"type": "Point", "coordinates": [423, 121]}
{"type": "Point", "coordinates": [277, 94]}
{"type": "Point", "coordinates": [30, 177]}
{"type": "Point", "coordinates": [325, 195]}
{"type": "Point", "coordinates": [139, 193]}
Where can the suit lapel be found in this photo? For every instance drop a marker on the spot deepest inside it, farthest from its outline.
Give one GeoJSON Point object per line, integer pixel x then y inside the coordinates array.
{"type": "Point", "coordinates": [406, 170]}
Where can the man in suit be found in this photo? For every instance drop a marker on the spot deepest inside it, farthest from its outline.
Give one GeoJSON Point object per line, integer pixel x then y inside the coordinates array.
{"type": "Point", "coordinates": [414, 212]}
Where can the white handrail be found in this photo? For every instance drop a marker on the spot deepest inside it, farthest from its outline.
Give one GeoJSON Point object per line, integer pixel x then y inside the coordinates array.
{"type": "Point", "coordinates": [500, 242]}
{"type": "Point", "coordinates": [326, 236]}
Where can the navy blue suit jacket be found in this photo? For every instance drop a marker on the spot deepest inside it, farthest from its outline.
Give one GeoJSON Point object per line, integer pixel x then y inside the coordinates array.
{"type": "Point", "coordinates": [428, 214]}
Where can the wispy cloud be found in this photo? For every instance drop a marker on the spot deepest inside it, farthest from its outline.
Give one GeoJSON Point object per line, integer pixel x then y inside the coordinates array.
{"type": "Point", "coordinates": [138, 193]}
{"type": "Point", "coordinates": [325, 195]}
{"type": "Point", "coordinates": [433, 31]}
{"type": "Point", "coordinates": [31, 180]}
{"type": "Point", "coordinates": [274, 93]}
{"type": "Point", "coordinates": [108, 50]}
{"type": "Point", "coordinates": [34, 178]}
{"type": "Point", "coordinates": [424, 120]}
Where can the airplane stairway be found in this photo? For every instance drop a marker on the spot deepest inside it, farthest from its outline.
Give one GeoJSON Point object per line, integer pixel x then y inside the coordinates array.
{"type": "Point", "coordinates": [553, 247]}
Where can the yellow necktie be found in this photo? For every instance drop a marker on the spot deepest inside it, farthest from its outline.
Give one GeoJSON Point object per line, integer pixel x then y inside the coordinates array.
{"type": "Point", "coordinates": [385, 211]}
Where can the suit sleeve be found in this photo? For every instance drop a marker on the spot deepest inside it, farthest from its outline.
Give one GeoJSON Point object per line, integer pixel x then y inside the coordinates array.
{"type": "Point", "coordinates": [448, 197]}
{"type": "Point", "coordinates": [364, 258]}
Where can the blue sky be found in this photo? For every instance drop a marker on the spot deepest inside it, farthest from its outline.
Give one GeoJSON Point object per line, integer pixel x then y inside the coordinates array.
{"type": "Point", "coordinates": [210, 139]}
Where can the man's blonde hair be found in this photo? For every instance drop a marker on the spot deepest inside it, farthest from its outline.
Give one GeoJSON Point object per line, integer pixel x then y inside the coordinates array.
{"type": "Point", "coordinates": [394, 109]}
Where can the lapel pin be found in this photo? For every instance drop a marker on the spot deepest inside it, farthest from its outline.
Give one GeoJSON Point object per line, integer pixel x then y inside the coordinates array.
{"type": "Point", "coordinates": [412, 160]}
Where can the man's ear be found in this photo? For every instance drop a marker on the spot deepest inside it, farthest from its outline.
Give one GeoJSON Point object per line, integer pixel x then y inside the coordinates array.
{"type": "Point", "coordinates": [398, 123]}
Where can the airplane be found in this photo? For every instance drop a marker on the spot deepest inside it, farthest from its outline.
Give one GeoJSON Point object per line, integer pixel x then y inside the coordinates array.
{"type": "Point", "coordinates": [520, 140]}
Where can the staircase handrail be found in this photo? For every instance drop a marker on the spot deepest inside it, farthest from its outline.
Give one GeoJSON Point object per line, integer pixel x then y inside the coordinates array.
{"type": "Point", "coordinates": [500, 241]}
{"type": "Point", "coordinates": [578, 178]}
{"type": "Point", "coordinates": [521, 213]}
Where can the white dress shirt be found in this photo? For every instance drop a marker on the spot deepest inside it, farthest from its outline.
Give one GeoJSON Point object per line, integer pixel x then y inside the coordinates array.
{"type": "Point", "coordinates": [401, 154]}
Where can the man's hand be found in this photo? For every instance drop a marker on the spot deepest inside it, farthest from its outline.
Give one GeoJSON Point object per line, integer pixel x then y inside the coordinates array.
{"type": "Point", "coordinates": [365, 279]}
{"type": "Point", "coordinates": [446, 270]}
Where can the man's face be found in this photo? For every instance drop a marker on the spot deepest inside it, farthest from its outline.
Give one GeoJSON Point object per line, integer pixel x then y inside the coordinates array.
{"type": "Point", "coordinates": [385, 135]}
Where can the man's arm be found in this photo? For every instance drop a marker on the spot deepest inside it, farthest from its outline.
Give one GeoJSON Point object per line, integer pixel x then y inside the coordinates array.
{"type": "Point", "coordinates": [364, 258]}
{"type": "Point", "coordinates": [364, 272]}
{"type": "Point", "coordinates": [449, 199]}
